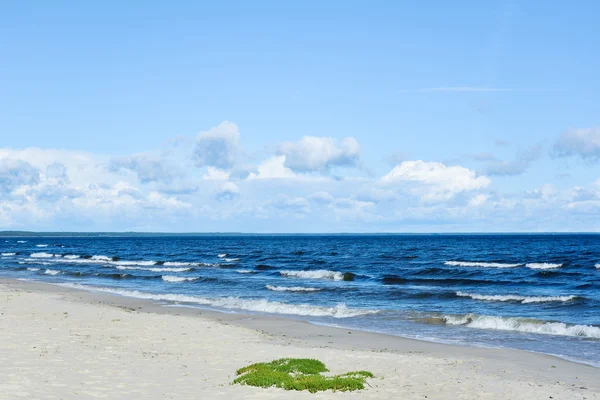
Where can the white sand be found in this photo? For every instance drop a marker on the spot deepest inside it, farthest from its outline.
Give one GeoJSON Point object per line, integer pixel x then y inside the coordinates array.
{"type": "Point", "coordinates": [58, 343]}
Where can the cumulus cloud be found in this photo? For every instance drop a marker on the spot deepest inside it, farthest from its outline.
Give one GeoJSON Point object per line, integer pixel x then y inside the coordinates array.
{"type": "Point", "coordinates": [228, 191]}
{"type": "Point", "coordinates": [435, 181]}
{"type": "Point", "coordinates": [147, 168]}
{"type": "Point", "coordinates": [584, 143]}
{"type": "Point", "coordinates": [312, 153]}
{"type": "Point", "coordinates": [15, 173]}
{"type": "Point", "coordinates": [272, 168]}
{"type": "Point", "coordinates": [56, 170]}
{"type": "Point", "coordinates": [478, 200]}
{"type": "Point", "coordinates": [218, 147]}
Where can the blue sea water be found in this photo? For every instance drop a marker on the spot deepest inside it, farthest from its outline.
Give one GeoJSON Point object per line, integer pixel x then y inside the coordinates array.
{"type": "Point", "coordinates": [533, 292]}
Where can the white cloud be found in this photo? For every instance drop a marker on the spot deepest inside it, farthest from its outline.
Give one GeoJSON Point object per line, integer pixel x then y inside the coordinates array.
{"type": "Point", "coordinates": [15, 173]}
{"type": "Point", "coordinates": [478, 200]}
{"type": "Point", "coordinates": [147, 168]}
{"type": "Point", "coordinates": [320, 154]}
{"type": "Point", "coordinates": [584, 143]}
{"type": "Point", "coordinates": [228, 191]}
{"type": "Point", "coordinates": [434, 181]}
{"type": "Point", "coordinates": [216, 174]}
{"type": "Point", "coordinates": [218, 147]}
{"type": "Point", "coordinates": [519, 165]}
{"type": "Point", "coordinates": [273, 168]}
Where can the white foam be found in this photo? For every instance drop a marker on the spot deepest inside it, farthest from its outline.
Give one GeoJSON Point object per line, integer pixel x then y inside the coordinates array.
{"type": "Point", "coordinates": [41, 255]}
{"type": "Point", "coordinates": [244, 271]}
{"type": "Point", "coordinates": [33, 261]}
{"type": "Point", "coordinates": [598, 266]}
{"type": "Point", "coordinates": [521, 299]}
{"type": "Point", "coordinates": [292, 288]}
{"type": "Point", "coordinates": [8, 254]}
{"type": "Point", "coordinates": [155, 269]}
{"type": "Point", "coordinates": [231, 259]}
{"type": "Point", "coordinates": [21, 241]}
{"type": "Point", "coordinates": [101, 258]}
{"type": "Point", "coordinates": [480, 264]}
{"type": "Point", "coordinates": [41, 245]}
{"type": "Point", "coordinates": [173, 279]}
{"type": "Point", "coordinates": [33, 269]}
{"type": "Point", "coordinates": [223, 255]}
{"type": "Point", "coordinates": [71, 257]}
{"type": "Point", "coordinates": [143, 263]}
{"type": "Point", "coordinates": [236, 303]}
{"type": "Point", "coordinates": [543, 265]}
{"type": "Point", "coordinates": [317, 274]}
{"type": "Point", "coordinates": [178, 264]}
{"type": "Point", "coordinates": [522, 325]}
{"type": "Point", "coordinates": [51, 272]}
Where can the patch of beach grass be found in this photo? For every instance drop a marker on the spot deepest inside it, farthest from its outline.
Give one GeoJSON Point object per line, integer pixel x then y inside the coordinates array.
{"type": "Point", "coordinates": [300, 374]}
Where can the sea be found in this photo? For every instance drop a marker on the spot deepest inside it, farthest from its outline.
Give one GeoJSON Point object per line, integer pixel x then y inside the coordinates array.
{"type": "Point", "coordinates": [535, 292]}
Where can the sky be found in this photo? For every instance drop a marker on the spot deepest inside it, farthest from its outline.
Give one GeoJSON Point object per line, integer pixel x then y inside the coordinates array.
{"type": "Point", "coordinates": [312, 116]}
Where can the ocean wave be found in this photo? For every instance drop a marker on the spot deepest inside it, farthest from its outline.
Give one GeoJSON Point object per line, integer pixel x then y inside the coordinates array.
{"type": "Point", "coordinates": [480, 264]}
{"type": "Point", "coordinates": [597, 266]}
{"type": "Point", "coordinates": [101, 258]}
{"type": "Point", "coordinates": [8, 254]}
{"type": "Point", "coordinates": [36, 262]}
{"type": "Point", "coordinates": [231, 259]}
{"type": "Point", "coordinates": [123, 267]}
{"type": "Point", "coordinates": [41, 245]}
{"type": "Point", "coordinates": [543, 265]}
{"type": "Point", "coordinates": [179, 264]}
{"type": "Point", "coordinates": [173, 279]}
{"type": "Point", "coordinates": [292, 288]}
{"type": "Point", "coordinates": [236, 303]}
{"type": "Point", "coordinates": [518, 324]}
{"type": "Point", "coordinates": [41, 255]}
{"type": "Point", "coordinates": [222, 255]}
{"type": "Point", "coordinates": [52, 272]}
{"type": "Point", "coordinates": [33, 269]}
{"type": "Point", "coordinates": [317, 274]}
{"type": "Point", "coordinates": [71, 256]}
{"type": "Point", "coordinates": [520, 299]}
{"type": "Point", "coordinates": [21, 241]}
{"type": "Point", "coordinates": [244, 271]}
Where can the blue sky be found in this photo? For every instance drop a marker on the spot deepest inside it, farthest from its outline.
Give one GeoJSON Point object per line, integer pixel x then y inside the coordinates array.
{"type": "Point", "coordinates": [307, 117]}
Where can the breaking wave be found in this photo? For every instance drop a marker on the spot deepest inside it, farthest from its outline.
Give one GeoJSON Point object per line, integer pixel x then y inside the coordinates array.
{"type": "Point", "coordinates": [520, 299]}
{"type": "Point", "coordinates": [173, 279]}
{"type": "Point", "coordinates": [8, 254]}
{"type": "Point", "coordinates": [41, 245]}
{"type": "Point", "coordinates": [51, 272]}
{"type": "Point", "coordinates": [521, 325]}
{"type": "Point", "coordinates": [236, 303]}
{"type": "Point", "coordinates": [122, 267]}
{"type": "Point", "coordinates": [42, 255]}
{"type": "Point", "coordinates": [292, 288]}
{"type": "Point", "coordinates": [480, 264]}
{"type": "Point", "coordinates": [543, 265]}
{"type": "Point", "coordinates": [317, 274]}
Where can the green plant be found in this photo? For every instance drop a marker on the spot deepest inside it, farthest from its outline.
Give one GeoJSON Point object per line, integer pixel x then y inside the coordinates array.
{"type": "Point", "coordinates": [299, 374]}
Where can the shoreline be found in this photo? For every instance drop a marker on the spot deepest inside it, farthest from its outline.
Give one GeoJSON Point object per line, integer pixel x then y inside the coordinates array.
{"type": "Point", "coordinates": [281, 325]}
{"type": "Point", "coordinates": [292, 336]}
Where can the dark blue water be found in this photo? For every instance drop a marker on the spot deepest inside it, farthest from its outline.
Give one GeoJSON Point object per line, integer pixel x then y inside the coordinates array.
{"type": "Point", "coordinates": [533, 292]}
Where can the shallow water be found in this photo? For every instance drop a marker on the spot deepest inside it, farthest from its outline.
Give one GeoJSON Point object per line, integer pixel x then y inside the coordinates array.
{"type": "Point", "coordinates": [534, 292]}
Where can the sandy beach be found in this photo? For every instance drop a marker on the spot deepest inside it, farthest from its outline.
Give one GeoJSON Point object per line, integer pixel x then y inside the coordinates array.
{"type": "Point", "coordinates": [62, 343]}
